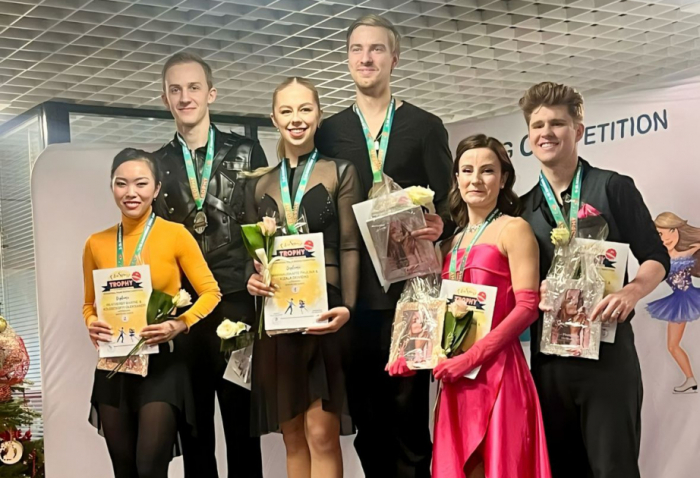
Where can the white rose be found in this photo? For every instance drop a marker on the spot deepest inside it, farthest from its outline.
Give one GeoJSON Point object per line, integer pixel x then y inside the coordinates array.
{"type": "Point", "coordinates": [268, 226]}
{"type": "Point", "coordinates": [458, 309]}
{"type": "Point", "coordinates": [228, 329]}
{"type": "Point", "coordinates": [420, 196]}
{"type": "Point", "coordinates": [182, 299]}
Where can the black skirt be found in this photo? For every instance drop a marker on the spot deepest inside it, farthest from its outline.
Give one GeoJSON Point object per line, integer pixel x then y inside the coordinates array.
{"type": "Point", "coordinates": [292, 371]}
{"type": "Point", "coordinates": [168, 380]}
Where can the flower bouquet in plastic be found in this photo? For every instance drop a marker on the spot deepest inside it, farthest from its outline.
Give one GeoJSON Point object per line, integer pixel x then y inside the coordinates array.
{"type": "Point", "coordinates": [574, 287]}
{"type": "Point", "coordinates": [418, 323]}
{"type": "Point", "coordinates": [394, 216]}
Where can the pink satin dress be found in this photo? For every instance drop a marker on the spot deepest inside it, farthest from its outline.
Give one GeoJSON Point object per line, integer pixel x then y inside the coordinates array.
{"type": "Point", "coordinates": [498, 413]}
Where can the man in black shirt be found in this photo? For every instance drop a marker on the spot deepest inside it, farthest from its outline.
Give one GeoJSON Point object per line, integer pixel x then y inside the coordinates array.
{"type": "Point", "coordinates": [591, 409]}
{"type": "Point", "coordinates": [198, 153]}
{"type": "Point", "coordinates": [391, 413]}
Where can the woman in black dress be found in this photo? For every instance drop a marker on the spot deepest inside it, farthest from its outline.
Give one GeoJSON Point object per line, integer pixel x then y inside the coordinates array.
{"type": "Point", "coordinates": [298, 384]}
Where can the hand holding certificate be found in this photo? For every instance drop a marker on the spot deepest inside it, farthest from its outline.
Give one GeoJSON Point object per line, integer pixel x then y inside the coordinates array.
{"type": "Point", "coordinates": [121, 299]}
{"type": "Point", "coordinates": [299, 274]}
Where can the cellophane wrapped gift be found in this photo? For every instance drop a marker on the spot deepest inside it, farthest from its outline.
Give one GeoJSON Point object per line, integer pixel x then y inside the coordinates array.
{"type": "Point", "coordinates": [574, 288]}
{"type": "Point", "coordinates": [394, 217]}
{"type": "Point", "coordinates": [135, 365]}
{"type": "Point", "coordinates": [418, 323]}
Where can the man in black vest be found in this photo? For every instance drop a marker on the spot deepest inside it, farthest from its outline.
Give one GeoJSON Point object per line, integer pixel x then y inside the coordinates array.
{"type": "Point", "coordinates": [591, 409]}
{"type": "Point", "coordinates": [391, 413]}
{"type": "Point", "coordinates": [202, 159]}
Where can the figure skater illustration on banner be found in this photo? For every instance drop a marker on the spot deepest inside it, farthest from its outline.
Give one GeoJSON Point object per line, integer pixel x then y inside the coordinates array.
{"type": "Point", "coordinates": [683, 304]}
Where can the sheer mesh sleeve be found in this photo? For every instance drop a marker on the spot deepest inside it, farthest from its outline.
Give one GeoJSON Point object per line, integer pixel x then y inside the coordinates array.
{"type": "Point", "coordinates": [251, 216]}
{"type": "Point", "coordinates": [349, 193]}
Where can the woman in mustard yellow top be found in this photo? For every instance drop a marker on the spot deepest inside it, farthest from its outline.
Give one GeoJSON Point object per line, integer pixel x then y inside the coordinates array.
{"type": "Point", "coordinates": [139, 416]}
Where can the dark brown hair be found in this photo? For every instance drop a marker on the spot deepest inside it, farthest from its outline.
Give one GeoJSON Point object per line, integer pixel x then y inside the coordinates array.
{"type": "Point", "coordinates": [552, 94]}
{"type": "Point", "coordinates": [508, 202]}
{"type": "Point", "coordinates": [188, 57]}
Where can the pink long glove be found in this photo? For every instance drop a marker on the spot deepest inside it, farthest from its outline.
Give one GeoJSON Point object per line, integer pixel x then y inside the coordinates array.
{"type": "Point", "coordinates": [399, 368]}
{"type": "Point", "coordinates": [523, 314]}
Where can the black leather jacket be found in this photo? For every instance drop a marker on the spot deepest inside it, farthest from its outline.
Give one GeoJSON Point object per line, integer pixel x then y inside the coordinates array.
{"type": "Point", "coordinates": [221, 242]}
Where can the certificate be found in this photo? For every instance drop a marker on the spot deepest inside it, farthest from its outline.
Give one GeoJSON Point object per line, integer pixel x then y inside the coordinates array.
{"type": "Point", "coordinates": [612, 265]}
{"type": "Point", "coordinates": [481, 300]}
{"type": "Point", "coordinates": [121, 300]}
{"type": "Point", "coordinates": [298, 268]}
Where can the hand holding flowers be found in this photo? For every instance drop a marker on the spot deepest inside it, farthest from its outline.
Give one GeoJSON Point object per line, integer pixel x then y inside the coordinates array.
{"type": "Point", "coordinates": [161, 306]}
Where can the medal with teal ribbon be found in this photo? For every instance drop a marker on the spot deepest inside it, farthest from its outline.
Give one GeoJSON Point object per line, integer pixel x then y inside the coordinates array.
{"type": "Point", "coordinates": [572, 226]}
{"type": "Point", "coordinates": [456, 274]}
{"type": "Point", "coordinates": [199, 191]}
{"type": "Point", "coordinates": [291, 211]}
{"type": "Point", "coordinates": [139, 246]}
{"type": "Point", "coordinates": [378, 155]}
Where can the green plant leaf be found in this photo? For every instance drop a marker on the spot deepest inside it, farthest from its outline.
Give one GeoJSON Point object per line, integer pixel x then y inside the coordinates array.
{"type": "Point", "coordinates": [252, 238]}
{"type": "Point", "coordinates": [448, 333]}
{"type": "Point", "coordinates": [239, 342]}
{"type": "Point", "coordinates": [159, 304]}
{"type": "Point", "coordinates": [462, 329]}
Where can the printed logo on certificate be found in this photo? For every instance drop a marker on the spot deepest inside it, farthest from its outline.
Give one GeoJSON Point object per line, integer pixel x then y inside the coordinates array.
{"type": "Point", "coordinates": [299, 271]}
{"type": "Point", "coordinates": [121, 299]}
{"type": "Point", "coordinates": [478, 299]}
{"type": "Point", "coordinates": [612, 265]}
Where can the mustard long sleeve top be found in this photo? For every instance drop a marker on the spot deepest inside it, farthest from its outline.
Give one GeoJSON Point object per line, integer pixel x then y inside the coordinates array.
{"type": "Point", "coordinates": [169, 250]}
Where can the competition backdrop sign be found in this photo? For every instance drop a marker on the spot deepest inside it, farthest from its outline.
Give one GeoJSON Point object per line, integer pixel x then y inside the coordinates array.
{"type": "Point", "coordinates": [300, 274]}
{"type": "Point", "coordinates": [650, 136]}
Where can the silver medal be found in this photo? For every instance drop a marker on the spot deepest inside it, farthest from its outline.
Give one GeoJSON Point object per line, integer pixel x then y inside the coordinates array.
{"type": "Point", "coordinates": [200, 222]}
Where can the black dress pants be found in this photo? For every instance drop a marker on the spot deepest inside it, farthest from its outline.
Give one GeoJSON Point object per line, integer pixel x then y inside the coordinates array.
{"type": "Point", "coordinates": [592, 410]}
{"type": "Point", "coordinates": [391, 413]}
{"type": "Point", "coordinates": [208, 365]}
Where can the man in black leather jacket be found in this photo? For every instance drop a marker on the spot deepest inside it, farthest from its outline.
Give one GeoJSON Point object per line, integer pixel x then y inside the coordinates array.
{"type": "Point", "coordinates": [198, 153]}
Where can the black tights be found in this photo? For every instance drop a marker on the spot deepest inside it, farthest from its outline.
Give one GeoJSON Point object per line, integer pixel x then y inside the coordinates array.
{"type": "Point", "coordinates": [140, 444]}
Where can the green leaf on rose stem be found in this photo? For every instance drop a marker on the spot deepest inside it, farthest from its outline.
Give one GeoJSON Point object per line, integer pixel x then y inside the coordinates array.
{"type": "Point", "coordinates": [449, 329]}
{"type": "Point", "coordinates": [159, 304]}
{"type": "Point", "coordinates": [252, 238]}
{"type": "Point", "coordinates": [462, 328]}
{"type": "Point", "coordinates": [239, 342]}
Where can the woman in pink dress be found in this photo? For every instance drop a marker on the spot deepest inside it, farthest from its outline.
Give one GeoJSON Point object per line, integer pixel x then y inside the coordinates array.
{"type": "Point", "coordinates": [491, 426]}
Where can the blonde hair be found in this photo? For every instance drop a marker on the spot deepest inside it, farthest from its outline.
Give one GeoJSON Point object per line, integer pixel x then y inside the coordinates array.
{"type": "Point", "coordinates": [280, 144]}
{"type": "Point", "coordinates": [688, 235]}
{"type": "Point", "coordinates": [289, 81]}
{"type": "Point", "coordinates": [552, 94]}
{"type": "Point", "coordinates": [377, 21]}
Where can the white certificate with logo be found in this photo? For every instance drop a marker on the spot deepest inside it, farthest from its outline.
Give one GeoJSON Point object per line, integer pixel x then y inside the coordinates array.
{"type": "Point", "coordinates": [478, 299]}
{"type": "Point", "coordinates": [612, 265]}
{"type": "Point", "coordinates": [298, 268]}
{"type": "Point", "coordinates": [121, 300]}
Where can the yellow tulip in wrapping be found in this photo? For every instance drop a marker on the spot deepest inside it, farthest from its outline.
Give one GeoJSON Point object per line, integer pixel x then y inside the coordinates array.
{"type": "Point", "coordinates": [560, 236]}
{"type": "Point", "coordinates": [421, 196]}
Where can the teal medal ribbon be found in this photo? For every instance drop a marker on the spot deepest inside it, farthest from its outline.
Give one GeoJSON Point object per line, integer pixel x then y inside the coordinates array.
{"type": "Point", "coordinates": [572, 226]}
{"type": "Point", "coordinates": [139, 246]}
{"type": "Point", "coordinates": [376, 158]}
{"type": "Point", "coordinates": [457, 274]}
{"type": "Point", "coordinates": [291, 211]}
{"type": "Point", "coordinates": [199, 191]}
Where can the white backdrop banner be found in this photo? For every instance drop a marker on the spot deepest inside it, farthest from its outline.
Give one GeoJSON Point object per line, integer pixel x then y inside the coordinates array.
{"type": "Point", "coordinates": [72, 199]}
{"type": "Point", "coordinates": [650, 136]}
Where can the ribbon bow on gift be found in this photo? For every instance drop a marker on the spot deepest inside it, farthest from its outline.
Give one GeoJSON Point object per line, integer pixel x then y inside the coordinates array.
{"type": "Point", "coordinates": [265, 265]}
{"type": "Point", "coordinates": [587, 211]}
